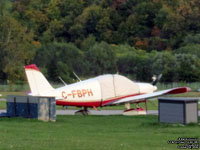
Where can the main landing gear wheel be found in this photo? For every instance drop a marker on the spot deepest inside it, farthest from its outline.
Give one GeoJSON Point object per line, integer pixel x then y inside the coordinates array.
{"type": "Point", "coordinates": [133, 112]}
{"type": "Point", "coordinates": [137, 111]}
{"type": "Point", "coordinates": [84, 112]}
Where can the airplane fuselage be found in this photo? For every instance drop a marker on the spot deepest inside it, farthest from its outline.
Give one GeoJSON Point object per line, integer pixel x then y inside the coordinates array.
{"type": "Point", "coordinates": [94, 93]}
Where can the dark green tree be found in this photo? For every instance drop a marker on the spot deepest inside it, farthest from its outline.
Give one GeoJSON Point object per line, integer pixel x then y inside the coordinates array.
{"type": "Point", "coordinates": [16, 48]}
{"type": "Point", "coordinates": [101, 59]}
{"type": "Point", "coordinates": [60, 59]}
{"type": "Point", "coordinates": [187, 67]}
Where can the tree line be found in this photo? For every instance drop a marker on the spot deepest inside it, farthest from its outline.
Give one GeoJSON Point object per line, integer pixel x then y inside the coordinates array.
{"type": "Point", "coordinates": [136, 38]}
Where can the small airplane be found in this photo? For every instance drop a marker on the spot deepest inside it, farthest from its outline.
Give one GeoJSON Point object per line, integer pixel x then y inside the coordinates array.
{"type": "Point", "coordinates": [104, 90]}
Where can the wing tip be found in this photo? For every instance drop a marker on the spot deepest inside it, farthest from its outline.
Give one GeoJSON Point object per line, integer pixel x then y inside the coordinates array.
{"type": "Point", "coordinates": [188, 89]}
{"type": "Point", "coordinates": [179, 90]}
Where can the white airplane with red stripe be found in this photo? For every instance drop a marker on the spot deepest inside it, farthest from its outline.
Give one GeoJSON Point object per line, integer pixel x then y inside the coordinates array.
{"type": "Point", "coordinates": [104, 90]}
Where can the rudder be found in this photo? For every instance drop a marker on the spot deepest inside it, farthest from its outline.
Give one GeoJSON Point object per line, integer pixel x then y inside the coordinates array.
{"type": "Point", "coordinates": [38, 83]}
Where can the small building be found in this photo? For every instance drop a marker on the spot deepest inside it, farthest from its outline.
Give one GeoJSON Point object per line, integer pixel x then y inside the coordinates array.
{"type": "Point", "coordinates": [178, 110]}
{"type": "Point", "coordinates": [41, 108]}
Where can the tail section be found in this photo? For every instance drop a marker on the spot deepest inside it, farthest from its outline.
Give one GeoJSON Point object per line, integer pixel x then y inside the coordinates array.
{"type": "Point", "coordinates": [38, 83]}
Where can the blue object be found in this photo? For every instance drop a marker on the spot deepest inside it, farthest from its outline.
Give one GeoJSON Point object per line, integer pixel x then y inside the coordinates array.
{"type": "Point", "coordinates": [4, 114]}
{"type": "Point", "coordinates": [42, 108]}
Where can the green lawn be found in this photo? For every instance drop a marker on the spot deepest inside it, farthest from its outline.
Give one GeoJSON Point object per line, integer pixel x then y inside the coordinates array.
{"type": "Point", "coordinates": [4, 94]}
{"type": "Point", "coordinates": [92, 133]}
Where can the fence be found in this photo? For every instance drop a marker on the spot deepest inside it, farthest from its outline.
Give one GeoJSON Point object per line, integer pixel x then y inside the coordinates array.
{"type": "Point", "coordinates": [23, 86]}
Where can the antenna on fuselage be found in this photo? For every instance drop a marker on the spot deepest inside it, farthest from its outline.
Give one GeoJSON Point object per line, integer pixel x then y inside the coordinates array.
{"type": "Point", "coordinates": [62, 80]}
{"type": "Point", "coordinates": [76, 76]}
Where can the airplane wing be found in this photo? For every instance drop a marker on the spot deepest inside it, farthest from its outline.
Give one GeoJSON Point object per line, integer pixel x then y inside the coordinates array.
{"type": "Point", "coordinates": [148, 96]}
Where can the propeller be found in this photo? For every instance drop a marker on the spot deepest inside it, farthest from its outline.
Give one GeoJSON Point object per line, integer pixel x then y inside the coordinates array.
{"type": "Point", "coordinates": [156, 79]}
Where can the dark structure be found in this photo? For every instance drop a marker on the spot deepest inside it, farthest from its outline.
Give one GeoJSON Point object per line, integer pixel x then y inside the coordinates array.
{"type": "Point", "coordinates": [178, 110]}
{"type": "Point", "coordinates": [42, 108]}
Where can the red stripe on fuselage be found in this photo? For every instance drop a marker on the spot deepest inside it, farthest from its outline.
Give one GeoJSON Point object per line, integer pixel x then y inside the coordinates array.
{"type": "Point", "coordinates": [97, 103]}
{"type": "Point", "coordinates": [79, 104]}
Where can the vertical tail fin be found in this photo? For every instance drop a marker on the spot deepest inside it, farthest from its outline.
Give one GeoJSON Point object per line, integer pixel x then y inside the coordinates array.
{"type": "Point", "coordinates": [38, 83]}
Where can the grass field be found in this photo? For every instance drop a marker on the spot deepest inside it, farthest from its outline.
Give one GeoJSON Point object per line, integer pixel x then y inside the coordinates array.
{"type": "Point", "coordinates": [92, 133]}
